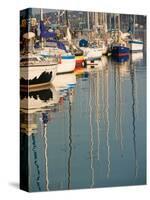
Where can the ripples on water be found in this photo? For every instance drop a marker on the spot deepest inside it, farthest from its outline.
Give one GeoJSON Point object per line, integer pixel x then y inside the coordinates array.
{"type": "Point", "coordinates": [88, 129]}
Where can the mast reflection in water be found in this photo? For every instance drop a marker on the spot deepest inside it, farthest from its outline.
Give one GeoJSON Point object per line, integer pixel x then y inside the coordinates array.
{"type": "Point", "coordinates": [89, 132]}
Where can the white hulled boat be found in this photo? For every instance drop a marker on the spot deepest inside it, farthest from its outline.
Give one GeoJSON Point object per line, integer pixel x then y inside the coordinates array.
{"type": "Point", "coordinates": [135, 45]}
{"type": "Point", "coordinates": [91, 53]}
{"type": "Point", "coordinates": [36, 70]}
{"type": "Point", "coordinates": [67, 61]}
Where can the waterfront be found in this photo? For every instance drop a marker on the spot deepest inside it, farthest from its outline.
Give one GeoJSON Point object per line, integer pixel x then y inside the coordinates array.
{"type": "Point", "coordinates": [91, 133]}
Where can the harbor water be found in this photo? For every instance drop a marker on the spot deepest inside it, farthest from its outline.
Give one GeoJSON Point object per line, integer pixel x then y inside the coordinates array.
{"type": "Point", "coordinates": [88, 129]}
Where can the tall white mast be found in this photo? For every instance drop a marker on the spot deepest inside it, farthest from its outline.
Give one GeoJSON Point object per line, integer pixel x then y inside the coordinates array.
{"type": "Point", "coordinates": [96, 20]}
{"type": "Point", "coordinates": [88, 20]}
{"type": "Point", "coordinates": [41, 13]}
{"type": "Point", "coordinates": [106, 29]}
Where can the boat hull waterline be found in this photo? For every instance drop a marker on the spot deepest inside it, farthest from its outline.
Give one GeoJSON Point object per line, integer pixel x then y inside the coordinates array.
{"type": "Point", "coordinates": [120, 51]}
{"type": "Point", "coordinates": [67, 64]}
{"type": "Point", "coordinates": [37, 75]}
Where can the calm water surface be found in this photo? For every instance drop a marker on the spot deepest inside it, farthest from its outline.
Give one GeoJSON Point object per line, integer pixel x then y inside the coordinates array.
{"type": "Point", "coordinates": [87, 130]}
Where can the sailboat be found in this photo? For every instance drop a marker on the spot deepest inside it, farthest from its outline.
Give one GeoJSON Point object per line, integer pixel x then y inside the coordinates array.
{"type": "Point", "coordinates": [135, 45]}
{"type": "Point", "coordinates": [92, 52]}
{"type": "Point", "coordinates": [119, 47]}
{"type": "Point", "coordinates": [52, 47]}
{"type": "Point", "coordinates": [72, 47]}
{"type": "Point", "coordinates": [120, 50]}
{"type": "Point", "coordinates": [35, 70]}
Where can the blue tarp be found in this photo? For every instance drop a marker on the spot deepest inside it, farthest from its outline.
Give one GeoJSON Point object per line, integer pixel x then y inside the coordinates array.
{"type": "Point", "coordinates": [83, 43]}
{"type": "Point", "coordinates": [44, 33]}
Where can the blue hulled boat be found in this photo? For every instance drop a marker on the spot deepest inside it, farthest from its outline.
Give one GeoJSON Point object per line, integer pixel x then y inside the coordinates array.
{"type": "Point", "coordinates": [120, 51]}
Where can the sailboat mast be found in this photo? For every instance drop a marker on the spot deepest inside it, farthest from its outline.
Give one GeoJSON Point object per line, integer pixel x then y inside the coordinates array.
{"type": "Point", "coordinates": [42, 40]}
{"type": "Point", "coordinates": [134, 24]}
{"type": "Point", "coordinates": [88, 20]}
{"type": "Point", "coordinates": [67, 22]}
{"type": "Point", "coordinates": [58, 19]}
{"type": "Point", "coordinates": [41, 14]}
{"type": "Point", "coordinates": [118, 24]}
{"type": "Point", "coordinates": [106, 29]}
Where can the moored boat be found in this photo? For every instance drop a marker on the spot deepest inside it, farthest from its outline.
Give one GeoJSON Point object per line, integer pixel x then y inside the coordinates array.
{"type": "Point", "coordinates": [135, 45]}
{"type": "Point", "coordinates": [67, 61]}
{"type": "Point", "coordinates": [104, 47]}
{"type": "Point", "coordinates": [91, 53]}
{"type": "Point", "coordinates": [79, 60]}
{"type": "Point", "coordinates": [120, 51]}
{"type": "Point", "coordinates": [36, 70]}
{"type": "Point", "coordinates": [67, 64]}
